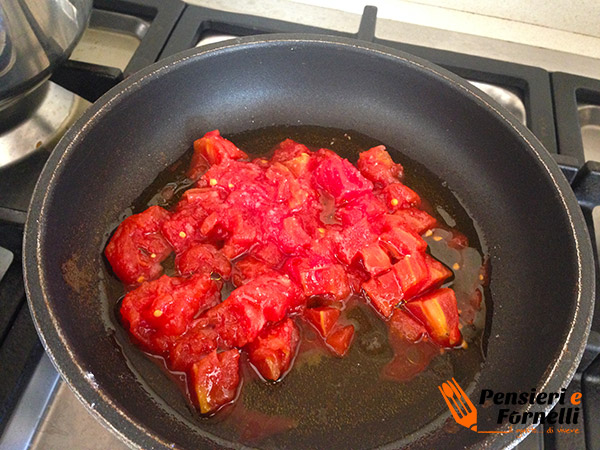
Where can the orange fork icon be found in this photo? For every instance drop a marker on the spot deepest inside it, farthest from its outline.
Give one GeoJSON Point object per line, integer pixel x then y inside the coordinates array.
{"type": "Point", "coordinates": [459, 404]}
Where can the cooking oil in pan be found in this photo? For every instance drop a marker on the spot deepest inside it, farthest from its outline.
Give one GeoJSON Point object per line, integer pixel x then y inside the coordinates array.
{"type": "Point", "coordinates": [350, 402]}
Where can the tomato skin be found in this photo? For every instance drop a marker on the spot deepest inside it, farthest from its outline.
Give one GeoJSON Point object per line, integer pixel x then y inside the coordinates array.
{"type": "Point", "coordinates": [384, 292]}
{"type": "Point", "coordinates": [439, 314]}
{"type": "Point", "coordinates": [273, 351]}
{"type": "Point", "coordinates": [376, 165]}
{"type": "Point", "coordinates": [159, 311]}
{"type": "Point", "coordinates": [203, 258]}
{"type": "Point", "coordinates": [214, 380]}
{"type": "Point", "coordinates": [323, 319]}
{"type": "Point", "coordinates": [339, 341]}
{"type": "Point", "coordinates": [458, 241]}
{"type": "Point", "coordinates": [131, 247]}
{"type": "Point", "coordinates": [213, 148]}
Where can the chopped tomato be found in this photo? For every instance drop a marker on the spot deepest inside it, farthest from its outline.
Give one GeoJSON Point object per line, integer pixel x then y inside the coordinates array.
{"type": "Point", "coordinates": [298, 234]}
{"type": "Point", "coordinates": [319, 277]}
{"type": "Point", "coordinates": [183, 228]}
{"type": "Point", "coordinates": [165, 308]}
{"type": "Point", "coordinates": [339, 341]}
{"type": "Point", "coordinates": [375, 260]}
{"type": "Point", "coordinates": [367, 206]}
{"type": "Point", "coordinates": [438, 273]}
{"type": "Point", "coordinates": [385, 292]}
{"type": "Point", "coordinates": [231, 175]}
{"type": "Point", "coordinates": [237, 321]}
{"type": "Point", "coordinates": [214, 380]}
{"type": "Point", "coordinates": [137, 247]}
{"type": "Point", "coordinates": [412, 274]}
{"type": "Point", "coordinates": [241, 317]}
{"type": "Point", "coordinates": [405, 326]}
{"type": "Point", "coordinates": [410, 218]}
{"type": "Point", "coordinates": [288, 150]}
{"type": "Point", "coordinates": [274, 349]}
{"type": "Point", "coordinates": [323, 318]}
{"type": "Point", "coordinates": [203, 258]}
{"type": "Point", "coordinates": [288, 189]}
{"type": "Point", "coordinates": [356, 277]}
{"type": "Point", "coordinates": [399, 196]}
{"type": "Point", "coordinates": [242, 235]}
{"type": "Point", "coordinates": [376, 165]}
{"type": "Point", "coordinates": [419, 273]}
{"type": "Point", "coordinates": [352, 239]}
{"type": "Point", "coordinates": [439, 314]}
{"type": "Point", "coordinates": [292, 236]}
{"type": "Point", "coordinates": [299, 165]}
{"type": "Point", "coordinates": [249, 268]}
{"type": "Point", "coordinates": [190, 348]}
{"type": "Point", "coordinates": [339, 178]}
{"type": "Point", "coordinates": [214, 149]}
{"type": "Point", "coordinates": [269, 253]}
{"type": "Point", "coordinates": [401, 242]}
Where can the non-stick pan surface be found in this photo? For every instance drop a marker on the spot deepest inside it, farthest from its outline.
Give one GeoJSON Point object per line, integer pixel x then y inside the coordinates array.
{"type": "Point", "coordinates": [541, 287]}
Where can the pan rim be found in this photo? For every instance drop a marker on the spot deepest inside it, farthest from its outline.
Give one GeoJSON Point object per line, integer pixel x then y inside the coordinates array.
{"type": "Point", "coordinates": [559, 373]}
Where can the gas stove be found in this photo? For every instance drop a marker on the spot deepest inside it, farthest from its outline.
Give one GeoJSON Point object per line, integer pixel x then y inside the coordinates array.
{"type": "Point", "coordinates": [37, 410]}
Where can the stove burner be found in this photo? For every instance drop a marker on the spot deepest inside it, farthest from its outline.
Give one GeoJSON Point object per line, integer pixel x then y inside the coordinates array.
{"type": "Point", "coordinates": [43, 117]}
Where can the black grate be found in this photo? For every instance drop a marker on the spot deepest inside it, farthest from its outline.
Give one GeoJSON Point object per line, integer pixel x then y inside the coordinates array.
{"type": "Point", "coordinates": [531, 83]}
{"type": "Point", "coordinates": [171, 26]}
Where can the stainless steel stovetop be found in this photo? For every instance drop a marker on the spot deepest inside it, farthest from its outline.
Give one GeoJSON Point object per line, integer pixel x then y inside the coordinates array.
{"type": "Point", "coordinates": [47, 414]}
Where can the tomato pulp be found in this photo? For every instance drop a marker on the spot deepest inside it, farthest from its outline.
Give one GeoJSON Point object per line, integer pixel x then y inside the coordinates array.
{"type": "Point", "coordinates": [297, 234]}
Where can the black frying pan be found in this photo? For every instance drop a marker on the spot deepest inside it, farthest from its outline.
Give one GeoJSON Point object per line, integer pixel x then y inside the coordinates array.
{"type": "Point", "coordinates": [542, 284]}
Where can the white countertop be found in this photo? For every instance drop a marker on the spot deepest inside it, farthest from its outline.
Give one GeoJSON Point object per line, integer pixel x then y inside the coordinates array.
{"type": "Point", "coordinates": [560, 35]}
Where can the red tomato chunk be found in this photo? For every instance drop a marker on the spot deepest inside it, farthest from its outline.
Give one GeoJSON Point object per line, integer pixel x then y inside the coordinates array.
{"type": "Point", "coordinates": [339, 341]}
{"type": "Point", "coordinates": [159, 311]}
{"type": "Point", "coordinates": [303, 228]}
{"type": "Point", "coordinates": [274, 349]}
{"type": "Point", "coordinates": [323, 319]}
{"type": "Point", "coordinates": [214, 380]}
{"type": "Point", "coordinates": [137, 248]}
